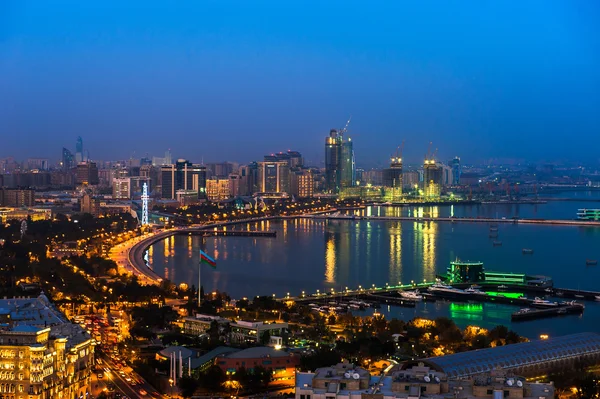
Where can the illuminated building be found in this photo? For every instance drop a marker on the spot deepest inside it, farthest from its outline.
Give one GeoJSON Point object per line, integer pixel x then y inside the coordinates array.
{"type": "Point", "coordinates": [281, 363]}
{"type": "Point", "coordinates": [432, 179]}
{"type": "Point", "coordinates": [302, 183]}
{"type": "Point", "coordinates": [42, 354]}
{"type": "Point", "coordinates": [79, 150]}
{"type": "Point", "coordinates": [121, 188]}
{"type": "Point", "coordinates": [247, 331]}
{"type": "Point", "coordinates": [182, 175]}
{"type": "Point", "coordinates": [456, 171]}
{"type": "Point", "coordinates": [413, 381]}
{"type": "Point", "coordinates": [87, 173]}
{"type": "Point", "coordinates": [340, 167]}
{"type": "Point", "coordinates": [234, 185]}
{"type": "Point", "coordinates": [248, 179]}
{"type": "Point", "coordinates": [273, 176]}
{"type": "Point", "coordinates": [24, 214]}
{"type": "Point", "coordinates": [17, 198]}
{"type": "Point", "coordinates": [88, 204]}
{"type": "Point", "coordinates": [217, 189]}
{"type": "Point", "coordinates": [392, 176]}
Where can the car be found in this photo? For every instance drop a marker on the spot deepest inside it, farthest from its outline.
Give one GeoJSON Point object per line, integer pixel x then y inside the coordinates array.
{"type": "Point", "coordinates": [100, 376]}
{"type": "Point", "coordinates": [142, 392]}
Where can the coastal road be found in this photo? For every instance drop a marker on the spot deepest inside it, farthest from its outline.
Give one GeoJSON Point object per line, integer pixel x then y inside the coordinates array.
{"type": "Point", "coordinates": [126, 388]}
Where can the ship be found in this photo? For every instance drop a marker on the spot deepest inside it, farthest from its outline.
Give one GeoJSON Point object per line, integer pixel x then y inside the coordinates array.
{"type": "Point", "coordinates": [527, 251]}
{"type": "Point", "coordinates": [497, 243]}
{"type": "Point", "coordinates": [543, 302]}
{"type": "Point", "coordinates": [588, 214]}
{"type": "Point", "coordinates": [591, 262]}
{"type": "Point", "coordinates": [412, 295]}
{"type": "Point", "coordinates": [440, 288]}
{"type": "Point", "coordinates": [474, 291]}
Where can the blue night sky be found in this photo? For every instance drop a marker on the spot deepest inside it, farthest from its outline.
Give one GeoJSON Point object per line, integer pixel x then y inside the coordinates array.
{"type": "Point", "coordinates": [234, 80]}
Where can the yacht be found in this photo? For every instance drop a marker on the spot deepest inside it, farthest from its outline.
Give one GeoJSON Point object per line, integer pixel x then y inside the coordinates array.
{"type": "Point", "coordinates": [412, 295]}
{"type": "Point", "coordinates": [502, 287]}
{"type": "Point", "coordinates": [522, 311]}
{"type": "Point", "coordinates": [591, 262]}
{"type": "Point", "coordinates": [527, 251]}
{"type": "Point", "coordinates": [474, 291]}
{"type": "Point", "coordinates": [543, 302]}
{"type": "Point", "coordinates": [441, 288]}
{"type": "Point", "coordinates": [597, 297]}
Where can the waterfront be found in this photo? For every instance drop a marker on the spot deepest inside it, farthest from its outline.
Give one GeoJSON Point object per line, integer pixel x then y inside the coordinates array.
{"type": "Point", "coordinates": [319, 254]}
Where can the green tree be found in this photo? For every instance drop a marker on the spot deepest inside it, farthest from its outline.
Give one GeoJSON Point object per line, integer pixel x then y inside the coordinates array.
{"type": "Point", "coordinates": [188, 386]}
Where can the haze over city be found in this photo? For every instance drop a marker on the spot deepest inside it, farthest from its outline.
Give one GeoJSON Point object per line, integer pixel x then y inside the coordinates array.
{"type": "Point", "coordinates": [234, 80]}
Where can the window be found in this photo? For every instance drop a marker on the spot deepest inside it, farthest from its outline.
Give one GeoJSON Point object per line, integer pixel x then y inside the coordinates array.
{"type": "Point", "coordinates": [406, 387]}
{"type": "Point", "coordinates": [490, 391]}
{"type": "Point", "coordinates": [267, 362]}
{"type": "Point", "coordinates": [302, 397]}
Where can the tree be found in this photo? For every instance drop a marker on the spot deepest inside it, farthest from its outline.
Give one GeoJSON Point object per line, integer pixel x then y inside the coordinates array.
{"type": "Point", "coordinates": [188, 386]}
{"type": "Point", "coordinates": [265, 338]}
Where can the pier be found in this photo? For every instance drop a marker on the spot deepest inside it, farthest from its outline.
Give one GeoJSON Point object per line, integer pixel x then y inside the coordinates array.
{"type": "Point", "coordinates": [533, 314]}
{"type": "Point", "coordinates": [228, 233]}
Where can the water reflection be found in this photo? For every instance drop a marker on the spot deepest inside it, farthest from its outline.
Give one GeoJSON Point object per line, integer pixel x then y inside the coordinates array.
{"type": "Point", "coordinates": [330, 259]}
{"type": "Point", "coordinates": [395, 273]}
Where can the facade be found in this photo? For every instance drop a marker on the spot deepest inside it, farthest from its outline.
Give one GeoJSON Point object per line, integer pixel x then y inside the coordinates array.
{"type": "Point", "coordinates": [182, 175]}
{"type": "Point", "coordinates": [42, 355]}
{"type": "Point", "coordinates": [348, 164]}
{"type": "Point", "coordinates": [456, 170]}
{"type": "Point", "coordinates": [432, 179]}
{"type": "Point", "coordinates": [248, 331]}
{"type": "Point", "coordinates": [122, 188]}
{"type": "Point", "coordinates": [273, 176]}
{"type": "Point", "coordinates": [234, 185]}
{"type": "Point", "coordinates": [529, 359]}
{"type": "Point", "coordinates": [345, 381]}
{"type": "Point", "coordinates": [34, 214]}
{"type": "Point", "coordinates": [17, 198]}
{"type": "Point", "coordinates": [248, 179]}
{"type": "Point", "coordinates": [392, 177]}
{"type": "Point", "coordinates": [217, 189]}
{"type": "Point", "coordinates": [88, 204]}
{"type": "Point", "coordinates": [340, 167]}
{"type": "Point", "coordinates": [201, 323]}
{"type": "Point", "coordinates": [302, 183]}
{"type": "Point", "coordinates": [68, 160]}
{"type": "Point", "coordinates": [281, 363]}
{"type": "Point", "coordinates": [87, 174]}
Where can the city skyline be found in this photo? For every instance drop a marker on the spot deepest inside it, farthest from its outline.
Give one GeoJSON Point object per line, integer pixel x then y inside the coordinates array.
{"type": "Point", "coordinates": [490, 80]}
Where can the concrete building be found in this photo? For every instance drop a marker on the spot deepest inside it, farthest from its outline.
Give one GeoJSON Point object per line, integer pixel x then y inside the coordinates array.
{"type": "Point", "coordinates": [346, 381]}
{"type": "Point", "coordinates": [121, 188]}
{"type": "Point", "coordinates": [340, 167]}
{"type": "Point", "coordinates": [432, 179]}
{"type": "Point", "coordinates": [302, 183]}
{"type": "Point", "coordinates": [42, 354]}
{"type": "Point", "coordinates": [34, 214]}
{"type": "Point", "coordinates": [273, 176]}
{"type": "Point", "coordinates": [217, 189]}
{"type": "Point", "coordinates": [248, 331]}
{"type": "Point", "coordinates": [234, 185]}
{"type": "Point", "coordinates": [282, 364]}
{"type": "Point", "coordinates": [201, 323]}
{"type": "Point", "coordinates": [182, 175]}
{"type": "Point", "coordinates": [392, 176]}
{"type": "Point", "coordinates": [87, 174]}
{"type": "Point", "coordinates": [17, 198]}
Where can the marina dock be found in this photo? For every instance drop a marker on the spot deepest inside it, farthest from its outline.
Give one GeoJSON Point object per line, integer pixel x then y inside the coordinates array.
{"type": "Point", "coordinates": [533, 314]}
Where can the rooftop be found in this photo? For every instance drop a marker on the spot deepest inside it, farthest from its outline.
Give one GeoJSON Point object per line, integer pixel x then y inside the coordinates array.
{"type": "Point", "coordinates": [257, 352]}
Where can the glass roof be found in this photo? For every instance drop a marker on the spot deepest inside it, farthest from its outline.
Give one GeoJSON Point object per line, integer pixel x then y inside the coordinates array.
{"type": "Point", "coordinates": [483, 360]}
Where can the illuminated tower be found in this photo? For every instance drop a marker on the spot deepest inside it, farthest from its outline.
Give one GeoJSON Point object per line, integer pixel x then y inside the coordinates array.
{"type": "Point", "coordinates": [145, 204]}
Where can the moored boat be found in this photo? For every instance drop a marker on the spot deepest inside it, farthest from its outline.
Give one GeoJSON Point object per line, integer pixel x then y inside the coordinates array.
{"type": "Point", "coordinates": [412, 295]}
{"type": "Point", "coordinates": [591, 262]}
{"type": "Point", "coordinates": [543, 302]}
{"type": "Point", "coordinates": [527, 251]}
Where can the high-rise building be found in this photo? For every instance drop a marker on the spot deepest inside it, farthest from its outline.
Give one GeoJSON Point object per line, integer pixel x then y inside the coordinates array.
{"type": "Point", "coordinates": [432, 178]}
{"type": "Point", "coordinates": [392, 176]}
{"type": "Point", "coordinates": [340, 167]}
{"type": "Point", "coordinates": [296, 160]}
{"type": "Point", "coordinates": [234, 184]}
{"type": "Point", "coordinates": [122, 188]}
{"type": "Point", "coordinates": [302, 183]}
{"type": "Point", "coordinates": [182, 175]}
{"type": "Point", "coordinates": [79, 150]}
{"type": "Point", "coordinates": [456, 169]}
{"type": "Point", "coordinates": [249, 178]}
{"type": "Point", "coordinates": [68, 161]}
{"type": "Point", "coordinates": [17, 198]}
{"type": "Point", "coordinates": [273, 177]}
{"type": "Point", "coordinates": [87, 173]}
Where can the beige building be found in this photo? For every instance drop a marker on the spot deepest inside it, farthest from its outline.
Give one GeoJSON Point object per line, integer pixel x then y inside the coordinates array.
{"type": "Point", "coordinates": [42, 355]}
{"type": "Point", "coordinates": [217, 189]}
{"type": "Point", "coordinates": [345, 381]}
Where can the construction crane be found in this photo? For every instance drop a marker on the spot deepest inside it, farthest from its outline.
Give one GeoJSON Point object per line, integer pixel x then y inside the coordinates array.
{"type": "Point", "coordinates": [345, 128]}
{"type": "Point", "coordinates": [399, 151]}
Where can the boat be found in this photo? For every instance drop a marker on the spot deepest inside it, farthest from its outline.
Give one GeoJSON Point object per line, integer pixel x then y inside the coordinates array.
{"type": "Point", "coordinates": [502, 287]}
{"type": "Point", "coordinates": [442, 288]}
{"type": "Point", "coordinates": [597, 297]}
{"type": "Point", "coordinates": [549, 290]}
{"type": "Point", "coordinates": [496, 243]}
{"type": "Point", "coordinates": [523, 311]}
{"type": "Point", "coordinates": [527, 251]}
{"type": "Point", "coordinates": [493, 229]}
{"type": "Point", "coordinates": [476, 287]}
{"type": "Point", "coordinates": [562, 311]}
{"type": "Point", "coordinates": [571, 303]}
{"type": "Point", "coordinates": [579, 296]}
{"type": "Point", "coordinates": [412, 295]}
{"type": "Point", "coordinates": [353, 306]}
{"type": "Point", "coordinates": [474, 291]}
{"type": "Point", "coordinates": [591, 262]}
{"type": "Point", "coordinates": [543, 302]}
{"type": "Point", "coordinates": [559, 293]}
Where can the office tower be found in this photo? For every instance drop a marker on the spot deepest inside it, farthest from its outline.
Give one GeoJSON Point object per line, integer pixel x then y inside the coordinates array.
{"type": "Point", "coordinates": [249, 178]}
{"type": "Point", "coordinates": [79, 150]}
{"type": "Point", "coordinates": [392, 176]}
{"type": "Point", "coordinates": [447, 175]}
{"type": "Point", "coordinates": [432, 178]}
{"type": "Point", "coordinates": [340, 167]}
{"type": "Point", "coordinates": [333, 155]}
{"type": "Point", "coordinates": [87, 173]}
{"type": "Point", "coordinates": [68, 161]}
{"type": "Point", "coordinates": [456, 170]}
{"type": "Point", "coordinates": [273, 176]}
{"type": "Point", "coordinates": [38, 163]}
{"type": "Point", "coordinates": [410, 178]}
{"type": "Point", "coordinates": [234, 184]}
{"type": "Point", "coordinates": [182, 175]}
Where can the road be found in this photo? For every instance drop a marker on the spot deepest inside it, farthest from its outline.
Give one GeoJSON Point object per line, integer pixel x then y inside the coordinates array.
{"type": "Point", "coordinates": [111, 375]}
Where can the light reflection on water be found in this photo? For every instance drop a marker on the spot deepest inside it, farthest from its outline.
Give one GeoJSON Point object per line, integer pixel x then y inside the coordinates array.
{"type": "Point", "coordinates": [311, 254]}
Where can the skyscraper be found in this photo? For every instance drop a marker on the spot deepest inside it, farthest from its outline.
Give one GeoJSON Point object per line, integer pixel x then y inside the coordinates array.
{"type": "Point", "coordinates": [392, 176]}
{"type": "Point", "coordinates": [340, 167]}
{"type": "Point", "coordinates": [455, 165]}
{"type": "Point", "coordinates": [432, 178]}
{"type": "Point", "coordinates": [79, 150]}
{"type": "Point", "coordinates": [68, 161]}
{"type": "Point", "coordinates": [273, 176]}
